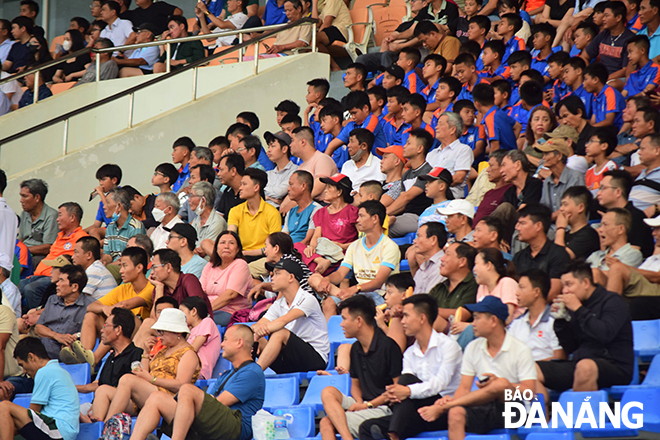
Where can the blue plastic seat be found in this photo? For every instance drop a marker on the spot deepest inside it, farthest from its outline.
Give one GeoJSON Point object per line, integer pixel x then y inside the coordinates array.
{"type": "Point", "coordinates": [426, 438]}
{"type": "Point", "coordinates": [488, 437]}
{"type": "Point", "coordinates": [90, 431]}
{"type": "Point", "coordinates": [550, 436]}
{"type": "Point", "coordinates": [23, 400]}
{"type": "Point", "coordinates": [577, 397]}
{"type": "Point", "coordinates": [646, 339]}
{"type": "Point", "coordinates": [336, 333]}
{"type": "Point", "coordinates": [302, 421]}
{"type": "Point", "coordinates": [406, 239]}
{"type": "Point", "coordinates": [220, 366]}
{"type": "Point", "coordinates": [433, 434]}
{"type": "Point", "coordinates": [80, 373]}
{"type": "Point", "coordinates": [404, 266]}
{"type": "Point", "coordinates": [281, 392]}
{"type": "Point", "coordinates": [650, 399]}
{"type": "Point", "coordinates": [652, 379]}
{"type": "Point", "coordinates": [313, 394]}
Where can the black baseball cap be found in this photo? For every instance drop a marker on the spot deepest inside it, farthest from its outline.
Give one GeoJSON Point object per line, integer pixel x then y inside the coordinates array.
{"type": "Point", "coordinates": [396, 71]}
{"type": "Point", "coordinates": [147, 27]}
{"type": "Point", "coordinates": [186, 231]}
{"type": "Point", "coordinates": [280, 136]}
{"type": "Point", "coordinates": [292, 267]}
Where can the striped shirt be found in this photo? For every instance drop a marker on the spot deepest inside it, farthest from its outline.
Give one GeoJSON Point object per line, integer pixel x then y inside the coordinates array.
{"type": "Point", "coordinates": [117, 239]}
{"type": "Point", "coordinates": [99, 280]}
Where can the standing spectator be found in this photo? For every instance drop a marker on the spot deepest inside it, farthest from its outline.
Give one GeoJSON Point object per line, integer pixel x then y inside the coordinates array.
{"type": "Point", "coordinates": [555, 156]}
{"type": "Point", "coordinates": [38, 228]}
{"type": "Point", "coordinates": [582, 239]}
{"type": "Point", "coordinates": [298, 222]}
{"type": "Point", "coordinates": [425, 254]}
{"type": "Point", "coordinates": [148, 11]}
{"type": "Point", "coordinates": [11, 296]}
{"type": "Point", "coordinates": [119, 31]}
{"type": "Point", "coordinates": [87, 254]}
{"type": "Point", "coordinates": [109, 69]}
{"type": "Point", "coordinates": [207, 223]}
{"type": "Point", "coordinates": [182, 240]}
{"type": "Point", "coordinates": [122, 227]}
{"type": "Point", "coordinates": [184, 53]}
{"type": "Point", "coordinates": [165, 211]}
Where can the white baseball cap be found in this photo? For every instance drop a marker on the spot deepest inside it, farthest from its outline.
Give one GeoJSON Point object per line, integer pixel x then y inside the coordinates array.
{"type": "Point", "coordinates": [6, 262]}
{"type": "Point", "coordinates": [652, 222]}
{"type": "Point", "coordinates": [458, 206]}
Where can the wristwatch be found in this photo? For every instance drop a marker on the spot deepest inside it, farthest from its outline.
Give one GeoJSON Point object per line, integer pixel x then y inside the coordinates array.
{"type": "Point", "coordinates": [370, 405]}
{"type": "Point", "coordinates": [358, 288]}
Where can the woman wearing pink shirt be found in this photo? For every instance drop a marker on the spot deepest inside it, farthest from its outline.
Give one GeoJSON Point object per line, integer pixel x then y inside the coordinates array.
{"type": "Point", "coordinates": [226, 278]}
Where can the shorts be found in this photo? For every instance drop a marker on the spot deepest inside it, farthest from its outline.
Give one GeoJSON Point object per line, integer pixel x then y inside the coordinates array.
{"type": "Point", "coordinates": [215, 421]}
{"type": "Point", "coordinates": [378, 300]}
{"type": "Point", "coordinates": [334, 34]}
{"type": "Point", "coordinates": [638, 286]}
{"type": "Point", "coordinates": [40, 428]}
{"type": "Point", "coordinates": [484, 418]}
{"type": "Point", "coordinates": [355, 418]}
{"type": "Point", "coordinates": [297, 356]}
{"type": "Point", "coordinates": [559, 374]}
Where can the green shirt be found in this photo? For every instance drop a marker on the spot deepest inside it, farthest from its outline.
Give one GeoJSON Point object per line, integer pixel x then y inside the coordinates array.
{"type": "Point", "coordinates": [190, 51]}
{"type": "Point", "coordinates": [43, 230]}
{"type": "Point", "coordinates": [464, 293]}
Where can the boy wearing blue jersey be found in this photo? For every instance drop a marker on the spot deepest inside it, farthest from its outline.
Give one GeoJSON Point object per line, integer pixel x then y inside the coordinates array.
{"type": "Point", "coordinates": [434, 67]}
{"type": "Point", "coordinates": [607, 103]}
{"type": "Point", "coordinates": [647, 76]}
{"type": "Point", "coordinates": [331, 117]}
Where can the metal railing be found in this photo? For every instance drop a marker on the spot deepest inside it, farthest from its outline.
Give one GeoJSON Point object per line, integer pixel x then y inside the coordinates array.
{"type": "Point", "coordinates": [269, 31]}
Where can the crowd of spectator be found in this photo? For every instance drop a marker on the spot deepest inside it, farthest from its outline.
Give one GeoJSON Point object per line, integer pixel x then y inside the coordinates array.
{"type": "Point", "coordinates": [521, 188]}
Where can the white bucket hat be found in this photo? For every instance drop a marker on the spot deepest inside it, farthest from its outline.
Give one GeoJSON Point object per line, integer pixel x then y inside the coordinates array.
{"type": "Point", "coordinates": [172, 320]}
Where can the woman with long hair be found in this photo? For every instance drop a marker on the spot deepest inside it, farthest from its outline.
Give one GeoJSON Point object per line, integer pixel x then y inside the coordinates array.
{"type": "Point", "coordinates": [541, 121]}
{"type": "Point", "coordinates": [204, 336]}
{"type": "Point", "coordinates": [73, 68]}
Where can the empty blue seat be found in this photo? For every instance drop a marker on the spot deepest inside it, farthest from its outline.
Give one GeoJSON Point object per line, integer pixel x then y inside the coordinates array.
{"type": "Point", "coordinates": [617, 391]}
{"type": "Point", "coordinates": [650, 399]}
{"type": "Point", "coordinates": [300, 420]}
{"type": "Point", "coordinates": [488, 437]}
{"type": "Point", "coordinates": [299, 377]}
{"type": "Point", "coordinates": [90, 431]}
{"type": "Point", "coordinates": [313, 394]}
{"type": "Point", "coordinates": [404, 266]}
{"type": "Point", "coordinates": [550, 436]}
{"type": "Point", "coordinates": [220, 366]}
{"type": "Point", "coordinates": [281, 392]}
{"type": "Point", "coordinates": [646, 339]}
{"type": "Point", "coordinates": [577, 397]}
{"type": "Point", "coordinates": [80, 373]}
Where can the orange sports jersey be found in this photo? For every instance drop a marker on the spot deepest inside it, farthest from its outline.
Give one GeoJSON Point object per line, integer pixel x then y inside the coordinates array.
{"type": "Point", "coordinates": [62, 246]}
{"type": "Point", "coordinates": [23, 254]}
{"type": "Point", "coordinates": [373, 123]}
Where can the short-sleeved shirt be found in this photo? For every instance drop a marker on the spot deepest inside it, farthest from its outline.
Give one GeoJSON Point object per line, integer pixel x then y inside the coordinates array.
{"type": "Point", "coordinates": [278, 182]}
{"type": "Point", "coordinates": [553, 192]}
{"type": "Point", "coordinates": [19, 55]}
{"type": "Point", "coordinates": [499, 127]}
{"type": "Point", "coordinates": [626, 254]}
{"type": "Point", "coordinates": [248, 385]}
{"type": "Point", "coordinates": [642, 78]}
{"type": "Point", "coordinates": [42, 231]}
{"type": "Point", "coordinates": [376, 368]}
{"type": "Point", "coordinates": [127, 291]}
{"type": "Point", "coordinates": [63, 319]}
{"type": "Point", "coordinates": [209, 352]}
{"type": "Point", "coordinates": [611, 51]}
{"type": "Point", "coordinates": [514, 361]}
{"type": "Point", "coordinates": [340, 226]}
{"type": "Point", "coordinates": [654, 39]}
{"type": "Point", "coordinates": [194, 266]}
{"type": "Point", "coordinates": [55, 392]}
{"type": "Point", "coordinates": [506, 290]}
{"type": "Point", "coordinates": [118, 32]}
{"type": "Point", "coordinates": [9, 326]}
{"type": "Point", "coordinates": [338, 10]}
{"type": "Point", "coordinates": [464, 293]}
{"type": "Point", "coordinates": [430, 214]}
{"type": "Point", "coordinates": [539, 335]}
{"type": "Point", "coordinates": [643, 196]}
{"type": "Point", "coordinates": [99, 280]}
{"type": "Point", "coordinates": [254, 229]}
{"type": "Point", "coordinates": [161, 234]}
{"type": "Point", "coordinates": [238, 20]}
{"type": "Point", "coordinates": [215, 281]}
{"type": "Point", "coordinates": [228, 200]}
{"type": "Point", "coordinates": [296, 224]}
{"type": "Point", "coordinates": [609, 100]}
{"type": "Point", "coordinates": [116, 239]}
{"type": "Point", "coordinates": [454, 157]}
{"type": "Point", "coordinates": [393, 189]}
{"type": "Point", "coordinates": [298, 33]}
{"type": "Point", "coordinates": [148, 54]}
{"type": "Point", "coordinates": [369, 171]}
{"type": "Point", "coordinates": [210, 230]}
{"type": "Point", "coordinates": [365, 262]}
{"type": "Point", "coordinates": [371, 123]}
{"type": "Point", "coordinates": [583, 242]}
{"type": "Point", "coordinates": [513, 45]}
{"type": "Point", "coordinates": [158, 14]}
{"type": "Point", "coordinates": [593, 178]}
{"type": "Point", "coordinates": [274, 14]}
{"type": "Point", "coordinates": [531, 193]}
{"type": "Point", "coordinates": [186, 286]}
{"type": "Point", "coordinates": [312, 327]}
{"type": "Point", "coordinates": [63, 245]}
{"type": "Point", "coordinates": [319, 165]}
{"type": "Point", "coordinates": [119, 364]}
{"type": "Point", "coordinates": [5, 46]}
{"type": "Point", "coordinates": [552, 258]}
{"type": "Point", "coordinates": [410, 179]}
{"type": "Point", "coordinates": [428, 274]}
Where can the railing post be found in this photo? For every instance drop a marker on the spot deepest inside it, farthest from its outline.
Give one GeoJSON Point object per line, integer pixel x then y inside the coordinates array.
{"type": "Point", "coordinates": [256, 58]}
{"type": "Point", "coordinates": [98, 66]}
{"type": "Point", "coordinates": [168, 65]}
{"type": "Point", "coordinates": [194, 85]}
{"type": "Point", "coordinates": [131, 100]}
{"type": "Point", "coordinates": [65, 138]}
{"type": "Point", "coordinates": [240, 51]}
{"type": "Point", "coordinates": [314, 37]}
{"type": "Point", "coordinates": [37, 76]}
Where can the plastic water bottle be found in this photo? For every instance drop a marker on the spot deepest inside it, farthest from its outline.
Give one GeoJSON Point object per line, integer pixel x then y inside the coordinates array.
{"type": "Point", "coordinates": [281, 433]}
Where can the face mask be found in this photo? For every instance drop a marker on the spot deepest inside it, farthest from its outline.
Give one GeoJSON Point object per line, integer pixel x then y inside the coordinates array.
{"type": "Point", "coordinates": [158, 214]}
{"type": "Point", "coordinates": [199, 210]}
{"type": "Point", "coordinates": [66, 45]}
{"type": "Point", "coordinates": [357, 155]}
{"type": "Point", "coordinates": [33, 48]}
{"type": "Point", "coordinates": [115, 217]}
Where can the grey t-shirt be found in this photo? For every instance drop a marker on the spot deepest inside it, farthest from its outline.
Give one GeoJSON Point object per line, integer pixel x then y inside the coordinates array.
{"type": "Point", "coordinates": [109, 70]}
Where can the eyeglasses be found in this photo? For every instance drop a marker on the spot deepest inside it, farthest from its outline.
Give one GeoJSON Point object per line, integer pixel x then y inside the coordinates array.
{"type": "Point", "coordinates": [158, 173]}
{"type": "Point", "coordinates": [160, 332]}
{"type": "Point", "coordinates": [108, 325]}
{"type": "Point", "coordinates": [241, 149]}
{"type": "Point", "coordinates": [178, 237]}
{"type": "Point", "coordinates": [157, 265]}
{"type": "Point", "coordinates": [606, 187]}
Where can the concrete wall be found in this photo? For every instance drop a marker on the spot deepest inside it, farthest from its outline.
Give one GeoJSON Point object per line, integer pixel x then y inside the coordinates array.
{"type": "Point", "coordinates": [140, 149]}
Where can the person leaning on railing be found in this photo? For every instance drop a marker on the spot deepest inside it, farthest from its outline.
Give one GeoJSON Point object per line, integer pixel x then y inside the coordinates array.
{"type": "Point", "coordinates": [182, 53]}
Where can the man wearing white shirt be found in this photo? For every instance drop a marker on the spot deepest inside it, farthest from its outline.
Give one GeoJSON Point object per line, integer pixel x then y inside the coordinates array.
{"type": "Point", "coordinates": [87, 253]}
{"type": "Point", "coordinates": [363, 165]}
{"type": "Point", "coordinates": [12, 89]}
{"type": "Point", "coordinates": [8, 223]}
{"type": "Point", "coordinates": [425, 254]}
{"type": "Point", "coordinates": [431, 371]}
{"type": "Point", "coordinates": [11, 296]}
{"type": "Point", "coordinates": [165, 211]}
{"type": "Point", "coordinates": [119, 31]}
{"type": "Point", "coordinates": [452, 154]}
{"type": "Point", "coordinates": [5, 39]}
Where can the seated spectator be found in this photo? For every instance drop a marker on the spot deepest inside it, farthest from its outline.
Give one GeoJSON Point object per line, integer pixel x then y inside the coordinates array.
{"type": "Point", "coordinates": [87, 254]}
{"type": "Point", "coordinates": [165, 212]}
{"type": "Point", "coordinates": [598, 149]}
{"type": "Point", "coordinates": [11, 296]}
{"type": "Point", "coordinates": [452, 155]}
{"type": "Point", "coordinates": [95, 29]}
{"type": "Point", "coordinates": [74, 68]}
{"type": "Point", "coordinates": [19, 55]}
{"type": "Point", "coordinates": [488, 233]}
{"type": "Point", "coordinates": [183, 53]}
{"type": "Point", "coordinates": [136, 294]}
{"type": "Point", "coordinates": [459, 214]}
{"type": "Point", "coordinates": [594, 329]}
{"type": "Point", "coordinates": [645, 195]}
{"type": "Point", "coordinates": [172, 367]}
{"type": "Point", "coordinates": [425, 254]}
{"type": "Point", "coordinates": [479, 411]}
{"type": "Point", "coordinates": [118, 31]}
{"type": "Point", "coordinates": [42, 93]}
{"type": "Point", "coordinates": [38, 221]}
{"type": "Point", "coordinates": [334, 226]}
{"type": "Point", "coordinates": [371, 258]}
{"type": "Point", "coordinates": [122, 227]}
{"type": "Point", "coordinates": [279, 152]}
{"type": "Point", "coordinates": [532, 227]}
{"type": "Point", "coordinates": [14, 381]}
{"type": "Point", "coordinates": [63, 314]}
{"type": "Point", "coordinates": [226, 279]}
{"type": "Point", "coordinates": [608, 104]}
{"type": "Point", "coordinates": [69, 216]}
{"type": "Point", "coordinates": [182, 240]}
{"type": "Point", "coordinates": [274, 13]}
{"type": "Point", "coordinates": [207, 223]}
{"type": "Point", "coordinates": [109, 69]}
{"type": "Point", "coordinates": [182, 149]}
{"type": "Point", "coordinates": [391, 165]}
{"type": "Point", "coordinates": [437, 39]}
{"type": "Point", "coordinates": [234, 19]}
{"type": "Point", "coordinates": [148, 11]}
{"type": "Point", "coordinates": [334, 17]}
{"type": "Point", "coordinates": [299, 36]}
{"type": "Point", "coordinates": [204, 336]}
{"type": "Point", "coordinates": [555, 155]}
{"type": "Point", "coordinates": [525, 189]}
{"type": "Point", "coordinates": [644, 122]}
{"type": "Point", "coordinates": [298, 221]}
{"type": "Point", "coordinates": [459, 288]}
{"type": "Point", "coordinates": [109, 176]}
{"type": "Point", "coordinates": [363, 166]}
{"type": "Point", "coordinates": [397, 288]}
{"type": "Point", "coordinates": [230, 170]}
{"type": "Point", "coordinates": [541, 121]}
{"type": "Point", "coordinates": [493, 197]}
{"type": "Point", "coordinates": [571, 111]}
{"type": "Point", "coordinates": [430, 372]}
{"type": "Point", "coordinates": [376, 363]}
{"type": "Point", "coordinates": [613, 231]}
{"type": "Point", "coordinates": [54, 401]}
{"type": "Point", "coordinates": [582, 240]}
{"type": "Point", "coordinates": [140, 61]}
{"type": "Point", "coordinates": [412, 201]}
{"type": "Point", "coordinates": [296, 328]}
{"type": "Point", "coordinates": [501, 129]}
{"type": "Point", "coordinates": [239, 389]}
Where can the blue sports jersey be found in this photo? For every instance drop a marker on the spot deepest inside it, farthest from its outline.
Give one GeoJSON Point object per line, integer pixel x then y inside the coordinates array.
{"type": "Point", "coordinates": [372, 124]}
{"type": "Point", "coordinates": [429, 92]}
{"type": "Point", "coordinates": [499, 127]}
{"type": "Point", "coordinates": [641, 78]}
{"type": "Point", "coordinates": [521, 115]}
{"type": "Point", "coordinates": [609, 100]}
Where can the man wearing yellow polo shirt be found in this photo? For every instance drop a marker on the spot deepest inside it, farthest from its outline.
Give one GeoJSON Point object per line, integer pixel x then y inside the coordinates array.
{"type": "Point", "coordinates": [254, 220]}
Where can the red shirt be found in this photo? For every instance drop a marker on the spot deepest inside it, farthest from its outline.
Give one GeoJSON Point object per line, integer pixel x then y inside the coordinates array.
{"type": "Point", "coordinates": [490, 202]}
{"type": "Point", "coordinates": [188, 285]}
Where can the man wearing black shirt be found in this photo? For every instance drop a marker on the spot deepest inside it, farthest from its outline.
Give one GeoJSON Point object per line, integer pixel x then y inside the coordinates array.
{"type": "Point", "coordinates": [595, 328]}
{"type": "Point", "coordinates": [613, 193]}
{"type": "Point", "coordinates": [515, 171]}
{"type": "Point", "coordinates": [376, 362]}
{"type": "Point", "coordinates": [533, 224]}
{"type": "Point", "coordinates": [582, 239]}
{"type": "Point", "coordinates": [157, 13]}
{"type": "Point", "coordinates": [19, 55]}
{"type": "Point", "coordinates": [230, 171]}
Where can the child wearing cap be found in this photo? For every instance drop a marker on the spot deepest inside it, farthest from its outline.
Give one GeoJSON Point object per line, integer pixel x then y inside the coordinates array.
{"type": "Point", "coordinates": [438, 188]}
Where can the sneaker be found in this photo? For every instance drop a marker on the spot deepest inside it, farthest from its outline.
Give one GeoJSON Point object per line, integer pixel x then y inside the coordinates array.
{"type": "Point", "coordinates": [69, 357]}
{"type": "Point", "coordinates": [82, 353]}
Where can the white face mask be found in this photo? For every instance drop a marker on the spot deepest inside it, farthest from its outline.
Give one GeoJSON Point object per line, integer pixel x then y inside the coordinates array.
{"type": "Point", "coordinates": [200, 209]}
{"type": "Point", "coordinates": [66, 45]}
{"type": "Point", "coordinates": [158, 214]}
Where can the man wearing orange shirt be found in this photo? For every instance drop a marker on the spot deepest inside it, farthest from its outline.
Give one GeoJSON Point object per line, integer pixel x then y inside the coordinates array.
{"type": "Point", "coordinates": [69, 216]}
